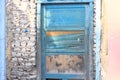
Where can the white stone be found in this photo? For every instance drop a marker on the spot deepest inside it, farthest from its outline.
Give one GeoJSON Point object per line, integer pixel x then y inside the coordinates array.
{"type": "Point", "coordinates": [28, 64]}
{"type": "Point", "coordinates": [30, 44]}
{"type": "Point", "coordinates": [23, 44]}
{"type": "Point", "coordinates": [17, 43]}
{"type": "Point", "coordinates": [33, 63]}
{"type": "Point", "coordinates": [16, 35]}
{"type": "Point", "coordinates": [23, 34]}
{"type": "Point", "coordinates": [32, 38]}
{"type": "Point", "coordinates": [25, 38]}
{"type": "Point", "coordinates": [16, 49]}
{"type": "Point", "coordinates": [18, 29]}
{"type": "Point", "coordinates": [33, 33]}
{"type": "Point", "coordinates": [23, 6]}
{"type": "Point", "coordinates": [32, 49]}
{"type": "Point", "coordinates": [14, 54]}
{"type": "Point", "coordinates": [23, 50]}
{"type": "Point", "coordinates": [32, 54]}
{"type": "Point", "coordinates": [18, 54]}
{"type": "Point", "coordinates": [32, 59]}
{"type": "Point", "coordinates": [14, 59]}
{"type": "Point", "coordinates": [13, 45]}
{"type": "Point", "coordinates": [24, 55]}
{"type": "Point", "coordinates": [32, 76]}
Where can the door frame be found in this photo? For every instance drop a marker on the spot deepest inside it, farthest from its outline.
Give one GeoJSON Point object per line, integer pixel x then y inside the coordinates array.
{"type": "Point", "coordinates": [90, 41]}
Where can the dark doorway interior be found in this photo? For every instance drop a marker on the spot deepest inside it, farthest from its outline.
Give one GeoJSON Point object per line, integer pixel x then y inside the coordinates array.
{"type": "Point", "coordinates": [52, 79]}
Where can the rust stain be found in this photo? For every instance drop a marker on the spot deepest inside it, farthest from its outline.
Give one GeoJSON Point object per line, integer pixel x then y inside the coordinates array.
{"type": "Point", "coordinates": [56, 33]}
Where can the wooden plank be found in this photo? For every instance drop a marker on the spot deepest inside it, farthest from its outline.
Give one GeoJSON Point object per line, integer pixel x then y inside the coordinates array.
{"type": "Point", "coordinates": [75, 76]}
{"type": "Point", "coordinates": [65, 37]}
{"type": "Point", "coordinates": [65, 42]}
{"type": "Point", "coordinates": [82, 53]}
{"type": "Point", "coordinates": [58, 18]}
{"type": "Point", "coordinates": [65, 50]}
{"type": "Point", "coordinates": [76, 47]}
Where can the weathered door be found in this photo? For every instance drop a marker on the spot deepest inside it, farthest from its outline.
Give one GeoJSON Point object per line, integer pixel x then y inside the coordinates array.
{"type": "Point", "coordinates": [64, 41]}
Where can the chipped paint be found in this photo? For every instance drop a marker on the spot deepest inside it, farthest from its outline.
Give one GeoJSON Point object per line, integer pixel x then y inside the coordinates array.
{"type": "Point", "coordinates": [65, 64]}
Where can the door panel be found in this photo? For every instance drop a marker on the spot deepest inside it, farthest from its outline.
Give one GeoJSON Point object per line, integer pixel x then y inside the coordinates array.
{"type": "Point", "coordinates": [66, 64]}
{"type": "Point", "coordinates": [64, 40]}
{"type": "Point", "coordinates": [64, 17]}
{"type": "Point", "coordinates": [67, 41]}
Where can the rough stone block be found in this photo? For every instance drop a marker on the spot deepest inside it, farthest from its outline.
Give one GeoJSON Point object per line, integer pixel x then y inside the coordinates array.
{"type": "Point", "coordinates": [32, 54]}
{"type": "Point", "coordinates": [17, 43]}
{"type": "Point", "coordinates": [14, 54]}
{"type": "Point", "coordinates": [30, 44]}
{"type": "Point", "coordinates": [20, 59]}
{"type": "Point", "coordinates": [23, 44]}
{"type": "Point", "coordinates": [32, 49]}
{"type": "Point", "coordinates": [28, 64]}
{"type": "Point", "coordinates": [14, 59]}
{"type": "Point", "coordinates": [25, 38]}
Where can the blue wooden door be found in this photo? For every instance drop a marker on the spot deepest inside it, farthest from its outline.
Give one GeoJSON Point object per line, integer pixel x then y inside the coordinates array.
{"type": "Point", "coordinates": [64, 41]}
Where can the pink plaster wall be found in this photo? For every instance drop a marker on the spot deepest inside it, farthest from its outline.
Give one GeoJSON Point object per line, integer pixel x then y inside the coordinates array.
{"type": "Point", "coordinates": [113, 12]}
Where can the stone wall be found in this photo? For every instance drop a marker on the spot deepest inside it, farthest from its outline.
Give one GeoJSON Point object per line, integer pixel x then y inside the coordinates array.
{"type": "Point", "coordinates": [21, 39]}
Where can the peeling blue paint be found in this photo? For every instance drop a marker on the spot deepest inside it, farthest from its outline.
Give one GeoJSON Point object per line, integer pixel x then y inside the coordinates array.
{"type": "Point", "coordinates": [26, 30]}
{"type": "Point", "coordinates": [2, 41]}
